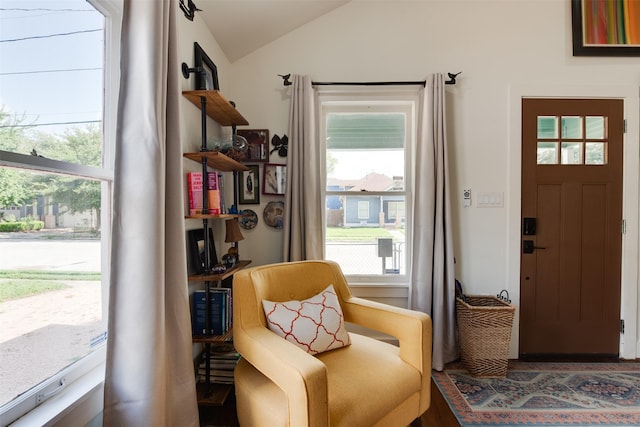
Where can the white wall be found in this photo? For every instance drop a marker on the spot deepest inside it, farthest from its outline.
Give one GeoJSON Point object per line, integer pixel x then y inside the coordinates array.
{"type": "Point", "coordinates": [499, 46]}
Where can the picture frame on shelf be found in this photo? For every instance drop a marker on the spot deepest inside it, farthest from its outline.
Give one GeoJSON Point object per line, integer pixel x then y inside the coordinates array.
{"type": "Point", "coordinates": [197, 252]}
{"type": "Point", "coordinates": [249, 188]}
{"type": "Point", "coordinates": [596, 34]}
{"type": "Point", "coordinates": [258, 144]}
{"type": "Point", "coordinates": [207, 80]}
{"type": "Point", "coordinates": [274, 179]}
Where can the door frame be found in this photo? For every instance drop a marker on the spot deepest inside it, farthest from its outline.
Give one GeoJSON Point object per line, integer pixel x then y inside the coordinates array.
{"type": "Point", "coordinates": [629, 343]}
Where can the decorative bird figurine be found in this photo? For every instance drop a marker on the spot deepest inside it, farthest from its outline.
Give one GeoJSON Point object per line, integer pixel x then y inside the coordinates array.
{"type": "Point", "coordinates": [285, 79]}
{"type": "Point", "coordinates": [452, 78]}
{"type": "Point", "coordinates": [189, 9]}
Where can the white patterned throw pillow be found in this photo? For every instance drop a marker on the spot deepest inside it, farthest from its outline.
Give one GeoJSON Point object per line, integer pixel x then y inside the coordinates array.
{"type": "Point", "coordinates": [315, 324]}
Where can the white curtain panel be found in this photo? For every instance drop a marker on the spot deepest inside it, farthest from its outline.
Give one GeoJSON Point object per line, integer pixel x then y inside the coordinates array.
{"type": "Point", "coordinates": [150, 378]}
{"type": "Point", "coordinates": [304, 206]}
{"type": "Point", "coordinates": [432, 276]}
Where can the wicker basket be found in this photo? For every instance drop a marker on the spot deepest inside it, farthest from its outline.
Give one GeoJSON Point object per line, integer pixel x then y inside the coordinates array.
{"type": "Point", "coordinates": [484, 326]}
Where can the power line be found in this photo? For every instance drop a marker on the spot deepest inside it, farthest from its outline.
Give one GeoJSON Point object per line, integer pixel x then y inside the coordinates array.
{"type": "Point", "coordinates": [50, 124]}
{"type": "Point", "coordinates": [50, 71]}
{"type": "Point", "coordinates": [50, 35]}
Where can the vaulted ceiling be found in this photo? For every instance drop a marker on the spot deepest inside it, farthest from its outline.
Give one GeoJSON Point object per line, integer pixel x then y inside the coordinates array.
{"type": "Point", "coordinates": [242, 26]}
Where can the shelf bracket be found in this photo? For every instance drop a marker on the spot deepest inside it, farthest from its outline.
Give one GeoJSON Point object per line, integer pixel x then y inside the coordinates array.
{"type": "Point", "coordinates": [186, 70]}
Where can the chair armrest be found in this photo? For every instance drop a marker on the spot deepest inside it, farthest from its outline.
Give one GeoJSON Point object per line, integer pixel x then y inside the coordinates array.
{"type": "Point", "coordinates": [302, 377]}
{"type": "Point", "coordinates": [413, 330]}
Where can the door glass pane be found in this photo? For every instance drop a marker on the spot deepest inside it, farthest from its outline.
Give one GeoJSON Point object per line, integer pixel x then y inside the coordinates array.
{"type": "Point", "coordinates": [595, 153]}
{"type": "Point", "coordinates": [572, 127]}
{"type": "Point", "coordinates": [547, 127]}
{"type": "Point", "coordinates": [571, 153]}
{"type": "Point", "coordinates": [367, 246]}
{"type": "Point", "coordinates": [50, 289]}
{"type": "Point", "coordinates": [595, 127]}
{"type": "Point", "coordinates": [547, 153]}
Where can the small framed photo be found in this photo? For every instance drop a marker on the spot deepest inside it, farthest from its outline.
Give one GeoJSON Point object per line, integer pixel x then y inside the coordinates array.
{"type": "Point", "coordinates": [249, 187]}
{"type": "Point", "coordinates": [197, 253]}
{"type": "Point", "coordinates": [274, 179]}
{"type": "Point", "coordinates": [208, 78]}
{"type": "Point", "coordinates": [258, 148]}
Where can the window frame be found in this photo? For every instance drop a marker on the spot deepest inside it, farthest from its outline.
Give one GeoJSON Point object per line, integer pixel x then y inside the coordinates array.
{"type": "Point", "coordinates": [83, 376]}
{"type": "Point", "coordinates": [363, 205]}
{"type": "Point", "coordinates": [382, 99]}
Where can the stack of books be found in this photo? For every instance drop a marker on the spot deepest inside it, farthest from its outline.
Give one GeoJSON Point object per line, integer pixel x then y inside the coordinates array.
{"type": "Point", "coordinates": [220, 312]}
{"type": "Point", "coordinates": [223, 361]}
{"type": "Point", "coordinates": [195, 191]}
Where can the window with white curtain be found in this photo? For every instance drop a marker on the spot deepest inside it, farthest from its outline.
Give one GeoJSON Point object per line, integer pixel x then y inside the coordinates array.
{"type": "Point", "coordinates": [368, 141]}
{"type": "Point", "coordinates": [58, 94]}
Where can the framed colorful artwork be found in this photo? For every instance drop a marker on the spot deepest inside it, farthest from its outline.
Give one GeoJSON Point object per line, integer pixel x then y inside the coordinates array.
{"type": "Point", "coordinates": [605, 27]}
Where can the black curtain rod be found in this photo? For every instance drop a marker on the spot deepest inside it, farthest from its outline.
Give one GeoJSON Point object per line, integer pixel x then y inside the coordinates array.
{"type": "Point", "coordinates": [451, 81]}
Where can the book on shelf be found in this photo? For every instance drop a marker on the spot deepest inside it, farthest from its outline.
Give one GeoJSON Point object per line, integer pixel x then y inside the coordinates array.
{"type": "Point", "coordinates": [217, 372]}
{"type": "Point", "coordinates": [195, 190]}
{"type": "Point", "coordinates": [221, 366]}
{"type": "Point", "coordinates": [214, 193]}
{"type": "Point", "coordinates": [219, 311]}
{"type": "Point", "coordinates": [217, 380]}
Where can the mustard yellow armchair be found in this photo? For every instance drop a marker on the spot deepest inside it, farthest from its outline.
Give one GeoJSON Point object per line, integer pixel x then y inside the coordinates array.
{"type": "Point", "coordinates": [366, 383]}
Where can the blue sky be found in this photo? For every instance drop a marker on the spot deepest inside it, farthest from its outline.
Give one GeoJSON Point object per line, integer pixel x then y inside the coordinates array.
{"type": "Point", "coordinates": [51, 79]}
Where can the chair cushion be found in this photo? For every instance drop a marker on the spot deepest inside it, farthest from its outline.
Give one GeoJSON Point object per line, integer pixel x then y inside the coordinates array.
{"type": "Point", "coordinates": [316, 324]}
{"type": "Point", "coordinates": [367, 380]}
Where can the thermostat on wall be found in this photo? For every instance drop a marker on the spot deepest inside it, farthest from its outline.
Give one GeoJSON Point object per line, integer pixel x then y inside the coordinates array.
{"type": "Point", "coordinates": [466, 198]}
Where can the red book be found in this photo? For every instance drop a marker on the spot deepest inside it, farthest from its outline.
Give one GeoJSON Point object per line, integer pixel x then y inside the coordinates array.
{"type": "Point", "coordinates": [194, 191]}
{"type": "Point", "coordinates": [214, 193]}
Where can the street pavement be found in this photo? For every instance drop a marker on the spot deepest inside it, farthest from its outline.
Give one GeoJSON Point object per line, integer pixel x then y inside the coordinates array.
{"type": "Point", "coordinates": [27, 251]}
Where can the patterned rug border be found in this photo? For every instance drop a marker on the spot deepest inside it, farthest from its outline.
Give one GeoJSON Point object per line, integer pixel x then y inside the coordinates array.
{"type": "Point", "coordinates": [468, 417]}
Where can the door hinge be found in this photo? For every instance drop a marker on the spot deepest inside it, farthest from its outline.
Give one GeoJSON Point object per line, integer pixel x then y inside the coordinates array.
{"type": "Point", "coordinates": [624, 126]}
{"type": "Point", "coordinates": [623, 226]}
{"type": "Point", "coordinates": [622, 326]}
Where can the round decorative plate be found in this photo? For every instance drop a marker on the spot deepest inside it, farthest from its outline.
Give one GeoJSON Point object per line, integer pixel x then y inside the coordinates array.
{"type": "Point", "coordinates": [273, 214]}
{"type": "Point", "coordinates": [248, 219]}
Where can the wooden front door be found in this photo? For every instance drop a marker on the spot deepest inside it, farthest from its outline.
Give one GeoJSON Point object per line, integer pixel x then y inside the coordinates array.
{"type": "Point", "coordinates": [571, 227]}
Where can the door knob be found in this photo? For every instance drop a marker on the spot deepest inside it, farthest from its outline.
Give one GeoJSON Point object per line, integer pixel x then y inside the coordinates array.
{"type": "Point", "coordinates": [528, 247]}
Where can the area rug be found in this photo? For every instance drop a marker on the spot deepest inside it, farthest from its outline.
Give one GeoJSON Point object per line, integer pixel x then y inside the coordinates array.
{"type": "Point", "coordinates": [545, 394]}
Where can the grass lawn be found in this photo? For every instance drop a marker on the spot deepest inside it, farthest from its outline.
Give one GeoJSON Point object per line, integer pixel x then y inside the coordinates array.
{"type": "Point", "coordinates": [23, 283]}
{"type": "Point", "coordinates": [356, 233]}
{"type": "Point", "coordinates": [13, 289]}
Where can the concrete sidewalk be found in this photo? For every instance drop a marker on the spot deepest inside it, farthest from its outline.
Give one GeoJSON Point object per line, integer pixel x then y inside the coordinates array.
{"type": "Point", "coordinates": [42, 334]}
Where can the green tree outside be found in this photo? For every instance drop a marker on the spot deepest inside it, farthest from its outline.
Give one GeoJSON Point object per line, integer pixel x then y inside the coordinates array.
{"type": "Point", "coordinates": [76, 145]}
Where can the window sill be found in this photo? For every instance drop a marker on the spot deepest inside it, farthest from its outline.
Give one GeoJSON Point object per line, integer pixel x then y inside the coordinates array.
{"type": "Point", "coordinates": [56, 408]}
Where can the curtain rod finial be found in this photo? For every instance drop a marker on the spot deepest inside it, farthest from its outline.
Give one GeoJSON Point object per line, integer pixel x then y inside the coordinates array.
{"type": "Point", "coordinates": [189, 9]}
{"type": "Point", "coordinates": [452, 78]}
{"type": "Point", "coordinates": [285, 79]}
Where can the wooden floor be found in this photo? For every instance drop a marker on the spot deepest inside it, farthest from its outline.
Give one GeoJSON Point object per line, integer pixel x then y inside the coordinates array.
{"type": "Point", "coordinates": [438, 415]}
